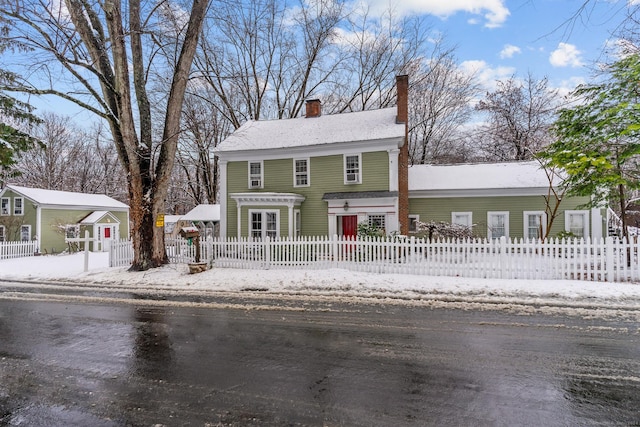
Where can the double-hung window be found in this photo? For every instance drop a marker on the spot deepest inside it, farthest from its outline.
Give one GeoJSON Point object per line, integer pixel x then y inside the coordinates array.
{"type": "Point", "coordinates": [256, 174]}
{"type": "Point", "coordinates": [301, 173]}
{"type": "Point", "coordinates": [534, 224]}
{"type": "Point", "coordinates": [577, 223]}
{"type": "Point", "coordinates": [3, 233]}
{"type": "Point", "coordinates": [352, 168]}
{"type": "Point", "coordinates": [18, 206]}
{"type": "Point", "coordinates": [264, 224]}
{"type": "Point", "coordinates": [5, 206]}
{"type": "Point", "coordinates": [461, 218]}
{"type": "Point", "coordinates": [25, 233]}
{"type": "Point", "coordinates": [498, 224]}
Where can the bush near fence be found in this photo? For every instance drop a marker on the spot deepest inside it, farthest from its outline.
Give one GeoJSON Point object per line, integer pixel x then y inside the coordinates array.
{"type": "Point", "coordinates": [580, 259]}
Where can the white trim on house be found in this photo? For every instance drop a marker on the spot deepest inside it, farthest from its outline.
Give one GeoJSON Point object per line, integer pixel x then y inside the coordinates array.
{"type": "Point", "coordinates": [492, 214]}
{"type": "Point", "coordinates": [585, 225]}
{"type": "Point", "coordinates": [363, 207]}
{"type": "Point", "coordinates": [350, 147]}
{"type": "Point", "coordinates": [307, 174]}
{"type": "Point", "coordinates": [263, 222]}
{"type": "Point", "coordinates": [352, 178]}
{"type": "Point", "coordinates": [288, 200]}
{"type": "Point", "coordinates": [222, 185]}
{"type": "Point", "coordinates": [5, 209]}
{"type": "Point", "coordinates": [468, 215]}
{"type": "Point", "coordinates": [253, 180]}
{"type": "Point", "coordinates": [525, 222]}
{"type": "Point", "coordinates": [15, 206]}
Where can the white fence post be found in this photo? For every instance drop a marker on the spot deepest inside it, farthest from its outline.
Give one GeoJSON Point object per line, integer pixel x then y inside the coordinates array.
{"type": "Point", "coordinates": [86, 250]}
{"type": "Point", "coordinates": [609, 260]}
{"type": "Point", "coordinates": [503, 257]}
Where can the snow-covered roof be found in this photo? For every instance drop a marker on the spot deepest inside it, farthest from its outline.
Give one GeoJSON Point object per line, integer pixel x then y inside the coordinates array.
{"type": "Point", "coordinates": [204, 212]}
{"type": "Point", "coordinates": [68, 198]}
{"type": "Point", "coordinates": [481, 176]}
{"type": "Point", "coordinates": [96, 216]}
{"type": "Point", "coordinates": [325, 129]}
{"type": "Point", "coordinates": [171, 219]}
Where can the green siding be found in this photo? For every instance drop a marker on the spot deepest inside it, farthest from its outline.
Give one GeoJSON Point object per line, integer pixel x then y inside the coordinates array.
{"type": "Point", "coordinates": [326, 176]}
{"type": "Point", "coordinates": [440, 209]}
{"type": "Point", "coordinates": [13, 223]}
{"type": "Point", "coordinates": [53, 222]}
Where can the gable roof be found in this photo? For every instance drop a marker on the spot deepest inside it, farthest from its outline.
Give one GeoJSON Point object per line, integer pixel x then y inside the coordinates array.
{"type": "Point", "coordinates": [327, 129]}
{"type": "Point", "coordinates": [53, 198]}
{"type": "Point", "coordinates": [481, 176]}
{"type": "Point", "coordinates": [96, 216]}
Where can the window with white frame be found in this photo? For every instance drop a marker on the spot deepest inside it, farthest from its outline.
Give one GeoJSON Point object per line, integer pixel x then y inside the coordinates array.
{"type": "Point", "coordinates": [18, 206]}
{"type": "Point", "coordinates": [3, 233]}
{"type": "Point", "coordinates": [5, 206]}
{"type": "Point", "coordinates": [497, 224]}
{"type": "Point", "coordinates": [256, 174]}
{"type": "Point", "coordinates": [461, 218]}
{"type": "Point", "coordinates": [301, 173]}
{"type": "Point", "coordinates": [577, 223]}
{"type": "Point", "coordinates": [25, 233]}
{"type": "Point", "coordinates": [535, 225]}
{"type": "Point", "coordinates": [264, 224]}
{"type": "Point", "coordinates": [377, 221]}
{"type": "Point", "coordinates": [72, 231]}
{"type": "Point", "coordinates": [352, 166]}
{"type": "Point", "coordinates": [413, 223]}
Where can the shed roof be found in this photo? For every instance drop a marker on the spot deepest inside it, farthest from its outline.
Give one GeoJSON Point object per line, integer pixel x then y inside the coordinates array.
{"type": "Point", "coordinates": [68, 198]}
{"type": "Point", "coordinates": [325, 129]}
{"type": "Point", "coordinates": [204, 212]}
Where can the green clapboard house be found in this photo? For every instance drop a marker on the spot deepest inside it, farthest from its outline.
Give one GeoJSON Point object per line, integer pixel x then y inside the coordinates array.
{"type": "Point", "coordinates": [317, 175]}
{"type": "Point", "coordinates": [321, 175]}
{"type": "Point", "coordinates": [50, 216]}
{"type": "Point", "coordinates": [497, 199]}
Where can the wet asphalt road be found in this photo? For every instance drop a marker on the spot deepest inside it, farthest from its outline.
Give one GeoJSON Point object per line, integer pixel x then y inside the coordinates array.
{"type": "Point", "coordinates": [69, 363]}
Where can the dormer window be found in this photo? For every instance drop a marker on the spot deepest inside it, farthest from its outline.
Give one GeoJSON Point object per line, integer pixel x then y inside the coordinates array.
{"type": "Point", "coordinates": [255, 175]}
{"type": "Point", "coordinates": [352, 169]}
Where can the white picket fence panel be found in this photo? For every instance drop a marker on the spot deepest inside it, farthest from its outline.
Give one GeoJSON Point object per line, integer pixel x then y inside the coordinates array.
{"type": "Point", "coordinates": [18, 249]}
{"type": "Point", "coordinates": [580, 259]}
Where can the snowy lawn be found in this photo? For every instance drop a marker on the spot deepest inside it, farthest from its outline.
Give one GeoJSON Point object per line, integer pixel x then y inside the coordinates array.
{"type": "Point", "coordinates": [68, 269]}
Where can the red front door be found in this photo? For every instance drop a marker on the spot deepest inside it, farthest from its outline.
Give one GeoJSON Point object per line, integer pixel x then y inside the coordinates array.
{"type": "Point", "coordinates": [350, 225]}
{"type": "Point", "coordinates": [107, 232]}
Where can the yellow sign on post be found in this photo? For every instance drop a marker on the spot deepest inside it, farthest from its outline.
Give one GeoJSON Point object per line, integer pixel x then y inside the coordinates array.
{"type": "Point", "coordinates": [160, 220]}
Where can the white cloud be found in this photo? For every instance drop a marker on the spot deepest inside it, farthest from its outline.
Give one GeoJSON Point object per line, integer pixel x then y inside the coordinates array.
{"type": "Point", "coordinates": [509, 50]}
{"type": "Point", "coordinates": [494, 12]}
{"type": "Point", "coordinates": [566, 55]}
{"type": "Point", "coordinates": [485, 74]}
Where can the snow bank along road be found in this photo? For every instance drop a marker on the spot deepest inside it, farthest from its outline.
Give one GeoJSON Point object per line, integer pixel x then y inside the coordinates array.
{"type": "Point", "coordinates": [62, 278]}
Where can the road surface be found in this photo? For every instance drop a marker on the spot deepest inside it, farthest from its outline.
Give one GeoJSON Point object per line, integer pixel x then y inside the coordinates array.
{"type": "Point", "coordinates": [118, 360]}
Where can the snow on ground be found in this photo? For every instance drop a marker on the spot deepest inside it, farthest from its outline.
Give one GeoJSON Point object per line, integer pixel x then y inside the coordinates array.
{"type": "Point", "coordinates": [67, 270]}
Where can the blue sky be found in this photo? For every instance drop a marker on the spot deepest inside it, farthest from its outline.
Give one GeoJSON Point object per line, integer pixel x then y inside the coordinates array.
{"type": "Point", "coordinates": [500, 38]}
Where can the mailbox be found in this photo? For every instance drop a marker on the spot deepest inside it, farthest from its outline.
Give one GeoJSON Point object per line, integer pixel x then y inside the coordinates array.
{"type": "Point", "coordinates": [189, 232]}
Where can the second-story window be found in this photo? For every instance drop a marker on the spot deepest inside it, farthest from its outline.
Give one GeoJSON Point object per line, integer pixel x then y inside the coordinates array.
{"type": "Point", "coordinates": [6, 206]}
{"type": "Point", "coordinates": [255, 175]}
{"type": "Point", "coordinates": [352, 169]}
{"type": "Point", "coordinates": [18, 206]}
{"type": "Point", "coordinates": [301, 172]}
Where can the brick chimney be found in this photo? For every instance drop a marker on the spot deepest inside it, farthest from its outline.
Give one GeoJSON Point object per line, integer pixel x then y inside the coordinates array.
{"type": "Point", "coordinates": [314, 109]}
{"type": "Point", "coordinates": [402, 89]}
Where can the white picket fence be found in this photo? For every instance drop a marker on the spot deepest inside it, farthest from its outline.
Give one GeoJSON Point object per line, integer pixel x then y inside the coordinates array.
{"type": "Point", "coordinates": [601, 260]}
{"type": "Point", "coordinates": [18, 249]}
